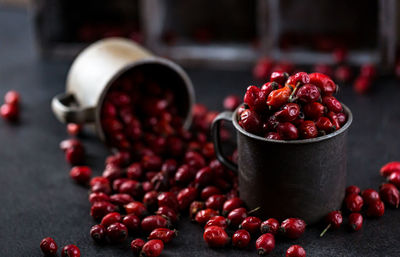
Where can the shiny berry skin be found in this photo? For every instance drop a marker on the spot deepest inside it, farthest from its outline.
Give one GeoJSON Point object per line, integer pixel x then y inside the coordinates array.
{"type": "Point", "coordinates": [74, 129]}
{"type": "Point", "coordinates": [150, 199]}
{"type": "Point", "coordinates": [241, 239]}
{"type": "Point", "coordinates": [355, 221]}
{"type": "Point", "coordinates": [323, 82]}
{"type": "Point", "coordinates": [98, 233]}
{"type": "Point", "coordinates": [137, 245]}
{"type": "Point", "coordinates": [314, 110]}
{"type": "Point", "coordinates": [70, 143]}
{"type": "Point", "coordinates": [308, 93]}
{"type": "Point", "coordinates": [376, 209]}
{"type": "Point", "coordinates": [203, 216]}
{"type": "Point", "coordinates": [209, 191]}
{"type": "Point", "coordinates": [237, 216]}
{"type": "Point", "coordinates": [273, 135]}
{"type": "Point", "coordinates": [388, 168]}
{"type": "Point", "coordinates": [215, 202]}
{"type": "Point", "coordinates": [389, 194]}
{"type": "Point", "coordinates": [279, 77]}
{"type": "Point", "coordinates": [70, 251]}
{"type": "Point", "coordinates": [262, 68]}
{"type": "Point", "coordinates": [136, 208]}
{"type": "Point", "coordinates": [168, 199]}
{"type": "Point", "coordinates": [117, 232]}
{"type": "Point", "coordinates": [98, 197]}
{"type": "Point", "coordinates": [75, 155]}
{"type": "Point", "coordinates": [121, 199]}
{"type": "Point", "coordinates": [215, 237]}
{"type": "Point", "coordinates": [195, 207]}
{"type": "Point", "coordinates": [204, 176]}
{"type": "Point", "coordinates": [231, 102]}
{"type": "Point", "coordinates": [354, 202]}
{"type": "Point", "coordinates": [295, 251]}
{"type": "Point", "coordinates": [394, 178]}
{"type": "Point", "coordinates": [251, 224]}
{"type": "Point", "coordinates": [219, 221]}
{"type": "Point", "coordinates": [164, 234]}
{"type": "Point", "coordinates": [370, 195]}
{"type": "Point", "coordinates": [132, 222]}
{"type": "Point", "coordinates": [9, 112]}
{"type": "Point", "coordinates": [101, 209]}
{"type": "Point", "coordinates": [324, 124]}
{"type": "Point", "coordinates": [195, 160]}
{"type": "Point", "coordinates": [341, 118]}
{"type": "Point", "coordinates": [307, 129]}
{"type": "Point", "coordinates": [352, 190]}
{"type": "Point", "coordinates": [110, 218]}
{"type": "Point", "coordinates": [343, 73]}
{"type": "Point", "coordinates": [334, 119]}
{"type": "Point", "coordinates": [265, 244]}
{"type": "Point", "coordinates": [151, 162]}
{"type": "Point", "coordinates": [167, 212]}
{"type": "Point", "coordinates": [292, 228]}
{"type": "Point", "coordinates": [48, 246]}
{"type": "Point", "coordinates": [250, 121]}
{"type": "Point", "coordinates": [287, 131]}
{"type": "Point", "coordinates": [332, 103]}
{"type": "Point", "coordinates": [81, 174]}
{"type": "Point", "coordinates": [289, 112]}
{"type": "Point", "coordinates": [231, 204]}
{"type": "Point", "coordinates": [271, 225]}
{"type": "Point", "coordinates": [334, 219]}
{"type": "Point", "coordinates": [299, 77]}
{"type": "Point", "coordinates": [152, 222]}
{"type": "Point", "coordinates": [134, 171]}
{"type": "Point", "coordinates": [362, 85]}
{"type": "Point", "coordinates": [12, 97]}
{"type": "Point", "coordinates": [152, 248]}
{"type": "Point", "coordinates": [279, 97]}
{"type": "Point", "coordinates": [186, 196]}
{"type": "Point", "coordinates": [184, 175]}
{"type": "Point", "coordinates": [131, 187]}
{"type": "Point", "coordinates": [255, 99]}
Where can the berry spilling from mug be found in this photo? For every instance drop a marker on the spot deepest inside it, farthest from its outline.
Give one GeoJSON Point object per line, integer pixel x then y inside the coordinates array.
{"type": "Point", "coordinates": [300, 106]}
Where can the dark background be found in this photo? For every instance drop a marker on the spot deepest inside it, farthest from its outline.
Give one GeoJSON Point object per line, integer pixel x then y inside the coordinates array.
{"type": "Point", "coordinates": [37, 198]}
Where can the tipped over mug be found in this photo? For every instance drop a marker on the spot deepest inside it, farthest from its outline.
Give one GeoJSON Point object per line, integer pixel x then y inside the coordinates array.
{"type": "Point", "coordinates": [297, 178]}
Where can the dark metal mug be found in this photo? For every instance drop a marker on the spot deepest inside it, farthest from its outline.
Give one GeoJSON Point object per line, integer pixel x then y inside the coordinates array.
{"type": "Point", "coordinates": [299, 178]}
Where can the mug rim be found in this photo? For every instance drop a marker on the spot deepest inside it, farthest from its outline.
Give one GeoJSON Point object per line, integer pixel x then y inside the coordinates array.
{"type": "Point", "coordinates": [297, 141]}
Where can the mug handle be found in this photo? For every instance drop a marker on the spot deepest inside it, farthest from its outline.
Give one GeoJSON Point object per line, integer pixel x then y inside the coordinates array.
{"type": "Point", "coordinates": [67, 110]}
{"type": "Point", "coordinates": [216, 137]}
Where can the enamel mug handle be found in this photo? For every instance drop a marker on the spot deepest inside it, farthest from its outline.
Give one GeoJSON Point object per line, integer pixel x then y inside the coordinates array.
{"type": "Point", "coordinates": [215, 133]}
{"type": "Point", "coordinates": [67, 110]}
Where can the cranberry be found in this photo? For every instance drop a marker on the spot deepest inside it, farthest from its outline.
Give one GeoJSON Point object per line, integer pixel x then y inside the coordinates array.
{"type": "Point", "coordinates": [48, 246]}
{"type": "Point", "coordinates": [293, 227]}
{"type": "Point", "coordinates": [134, 171]}
{"type": "Point", "coordinates": [308, 93]}
{"type": "Point", "coordinates": [132, 222]}
{"type": "Point", "coordinates": [100, 187]}
{"type": "Point", "coordinates": [169, 167]}
{"type": "Point", "coordinates": [287, 131]}
{"type": "Point", "coordinates": [334, 119]}
{"type": "Point", "coordinates": [389, 194]}
{"type": "Point", "coordinates": [147, 186]}
{"type": "Point", "coordinates": [98, 233]}
{"type": "Point", "coordinates": [279, 77]}
{"type": "Point", "coordinates": [289, 112]}
{"type": "Point", "coordinates": [231, 204]}
{"type": "Point", "coordinates": [271, 225]}
{"type": "Point", "coordinates": [186, 196]}
{"type": "Point", "coordinates": [194, 160]}
{"type": "Point", "coordinates": [250, 121]}
{"type": "Point", "coordinates": [112, 172]}
{"type": "Point", "coordinates": [137, 245]}
{"type": "Point", "coordinates": [314, 110]}
{"type": "Point", "coordinates": [163, 234]}
{"type": "Point", "coordinates": [167, 212]}
{"type": "Point", "coordinates": [151, 162]}
{"type": "Point", "coordinates": [265, 244]}
{"type": "Point", "coordinates": [215, 202]}
{"type": "Point", "coordinates": [299, 77]}
{"type": "Point", "coordinates": [121, 199]}
{"type": "Point", "coordinates": [354, 202]}
{"type": "Point", "coordinates": [202, 216]}
{"type": "Point", "coordinates": [370, 195]}
{"type": "Point", "coordinates": [266, 89]}
{"type": "Point", "coordinates": [152, 248]}
{"type": "Point", "coordinates": [355, 221]}
{"type": "Point", "coordinates": [81, 174]}
{"type": "Point", "coordinates": [251, 224]}
{"type": "Point", "coordinates": [273, 135]}
{"type": "Point", "coordinates": [136, 208]}
{"type": "Point", "coordinates": [341, 118]}
{"type": "Point", "coordinates": [219, 221]}
{"type": "Point", "coordinates": [101, 209]}
{"type": "Point", "coordinates": [323, 82]}
{"type": "Point", "coordinates": [168, 199]}
{"type": "Point", "coordinates": [152, 222]}
{"type": "Point", "coordinates": [70, 251]}
{"type": "Point", "coordinates": [117, 232]}
{"type": "Point", "coordinates": [209, 191]}
{"type": "Point", "coordinates": [98, 197]}
{"type": "Point", "coordinates": [215, 236]}
{"type": "Point", "coordinates": [131, 187]}
{"type": "Point", "coordinates": [184, 175]}
{"type": "Point", "coordinates": [262, 68]}
{"type": "Point", "coordinates": [352, 190]}
{"type": "Point", "coordinates": [324, 124]}
{"type": "Point", "coordinates": [9, 112]}
{"type": "Point", "coordinates": [75, 155]}
{"type": "Point", "coordinates": [195, 207]}
{"type": "Point", "coordinates": [150, 199]}
{"type": "Point", "coordinates": [334, 220]}
{"type": "Point", "coordinates": [204, 176]}
{"type": "Point", "coordinates": [231, 102]}
{"type": "Point", "coordinates": [295, 251]}
{"type": "Point", "coordinates": [389, 167]}
{"type": "Point", "coordinates": [308, 129]}
{"type": "Point", "coordinates": [343, 73]}
{"type": "Point", "coordinates": [255, 98]}
{"type": "Point", "coordinates": [241, 239]}
{"type": "Point", "coordinates": [376, 209]}
{"type": "Point", "coordinates": [236, 216]}
{"type": "Point", "coordinates": [394, 178]}
{"type": "Point", "coordinates": [110, 218]}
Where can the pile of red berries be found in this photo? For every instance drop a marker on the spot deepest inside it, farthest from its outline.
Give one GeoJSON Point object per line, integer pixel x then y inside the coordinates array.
{"type": "Point", "coordinates": [300, 106]}
{"type": "Point", "coordinates": [49, 248]}
{"type": "Point", "coordinates": [10, 109]}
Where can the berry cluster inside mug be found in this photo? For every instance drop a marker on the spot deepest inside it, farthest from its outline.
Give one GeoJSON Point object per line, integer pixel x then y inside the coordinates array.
{"type": "Point", "coordinates": [300, 106]}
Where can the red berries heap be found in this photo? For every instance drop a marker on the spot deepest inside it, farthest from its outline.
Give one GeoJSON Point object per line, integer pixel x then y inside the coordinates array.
{"type": "Point", "coordinates": [300, 106]}
{"type": "Point", "coordinates": [49, 248]}
{"type": "Point", "coordinates": [10, 109]}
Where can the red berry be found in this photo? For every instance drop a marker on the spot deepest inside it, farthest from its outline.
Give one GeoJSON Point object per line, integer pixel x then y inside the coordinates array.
{"type": "Point", "coordinates": [343, 73]}
{"type": "Point", "coordinates": [250, 121]}
{"type": "Point", "coordinates": [136, 208]}
{"type": "Point", "coordinates": [355, 221]}
{"type": "Point", "coordinates": [9, 112]}
{"type": "Point", "coordinates": [152, 248]}
{"type": "Point", "coordinates": [271, 225]}
{"type": "Point", "coordinates": [74, 129]}
{"type": "Point", "coordinates": [110, 218]}
{"type": "Point", "coordinates": [279, 77]}
{"type": "Point", "coordinates": [152, 222]}
{"type": "Point", "coordinates": [195, 207]}
{"type": "Point", "coordinates": [368, 70]}
{"type": "Point", "coordinates": [194, 160]}
{"type": "Point", "coordinates": [362, 85]}
{"type": "Point", "coordinates": [293, 227]}
{"type": "Point", "coordinates": [98, 233]}
{"type": "Point", "coordinates": [164, 234]}
{"type": "Point", "coordinates": [370, 195]}
{"type": "Point", "coordinates": [132, 222]}
{"type": "Point", "coordinates": [70, 143]}
{"type": "Point", "coordinates": [334, 220]}
{"type": "Point", "coordinates": [167, 212]}
{"type": "Point", "coordinates": [209, 191]}
{"type": "Point", "coordinates": [287, 131]}
{"type": "Point", "coordinates": [308, 93]}
{"type": "Point", "coordinates": [251, 224]}
{"type": "Point", "coordinates": [98, 197]}
{"type": "Point", "coordinates": [289, 112]}
{"type": "Point", "coordinates": [231, 102]}
{"type": "Point", "coordinates": [215, 202]}
{"type": "Point", "coordinates": [137, 245]}
{"type": "Point", "coordinates": [215, 236]}
{"type": "Point", "coordinates": [324, 124]}
{"type": "Point", "coordinates": [273, 135]}
{"type": "Point", "coordinates": [186, 196]}
{"type": "Point", "coordinates": [151, 162]}
{"type": "Point", "coordinates": [203, 216]}
{"type": "Point", "coordinates": [241, 238]}
{"type": "Point", "coordinates": [299, 77]}
{"type": "Point", "coordinates": [204, 176]}
{"type": "Point", "coordinates": [389, 167]}
{"type": "Point", "coordinates": [117, 232]}
{"type": "Point", "coordinates": [376, 209]}
{"type": "Point", "coordinates": [354, 202]}
{"type": "Point", "coordinates": [70, 251]}
{"type": "Point", "coordinates": [265, 244]}
{"type": "Point", "coordinates": [394, 178]}
{"type": "Point", "coordinates": [12, 97]}
{"type": "Point", "coordinates": [75, 155]}
{"type": "Point", "coordinates": [184, 175]}
{"type": "Point", "coordinates": [237, 216]}
{"type": "Point", "coordinates": [389, 194]}
{"type": "Point", "coordinates": [219, 221]}
{"type": "Point", "coordinates": [340, 54]}
{"type": "Point", "coordinates": [168, 199]}
{"type": "Point", "coordinates": [324, 83]}
{"type": "Point", "coordinates": [81, 174]}
{"type": "Point", "coordinates": [134, 171]}
{"type": "Point", "coordinates": [121, 199]}
{"type": "Point", "coordinates": [262, 68]}
{"type": "Point", "coordinates": [101, 209]}
{"type": "Point", "coordinates": [332, 103]}
{"type": "Point", "coordinates": [314, 110]}
{"type": "Point", "coordinates": [295, 251]}
{"type": "Point", "coordinates": [308, 129]}
{"type": "Point", "coordinates": [231, 204]}
{"type": "Point", "coordinates": [48, 246]}
{"type": "Point", "coordinates": [131, 187]}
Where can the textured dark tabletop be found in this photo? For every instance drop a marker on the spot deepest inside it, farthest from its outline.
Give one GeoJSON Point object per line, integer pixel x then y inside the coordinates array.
{"type": "Point", "coordinates": [37, 198]}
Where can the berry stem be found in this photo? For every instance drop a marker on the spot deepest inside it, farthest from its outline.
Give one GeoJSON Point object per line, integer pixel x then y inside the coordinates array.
{"type": "Point", "coordinates": [254, 210]}
{"type": "Point", "coordinates": [324, 231]}
{"type": "Point", "coordinates": [291, 97]}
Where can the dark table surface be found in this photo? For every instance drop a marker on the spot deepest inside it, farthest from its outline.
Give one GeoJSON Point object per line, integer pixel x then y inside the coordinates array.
{"type": "Point", "coordinates": [37, 198]}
